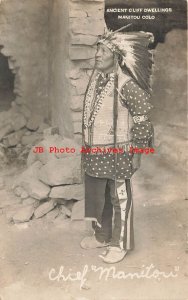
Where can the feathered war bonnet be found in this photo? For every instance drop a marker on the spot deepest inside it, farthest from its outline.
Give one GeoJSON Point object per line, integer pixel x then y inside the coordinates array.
{"type": "Point", "coordinates": [135, 56]}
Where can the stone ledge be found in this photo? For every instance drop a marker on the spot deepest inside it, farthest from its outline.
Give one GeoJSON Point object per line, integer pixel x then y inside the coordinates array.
{"type": "Point", "coordinates": [87, 1]}
{"type": "Point", "coordinates": [78, 127]}
{"type": "Point", "coordinates": [90, 26]}
{"type": "Point", "coordinates": [76, 73]}
{"type": "Point", "coordinates": [83, 39]}
{"type": "Point", "coordinates": [90, 9]}
{"type": "Point", "coordinates": [80, 85]}
{"type": "Point", "coordinates": [77, 103]}
{"type": "Point", "coordinates": [77, 13]}
{"type": "Point", "coordinates": [81, 53]}
{"type": "Point", "coordinates": [77, 116]}
{"type": "Point", "coordinates": [87, 64]}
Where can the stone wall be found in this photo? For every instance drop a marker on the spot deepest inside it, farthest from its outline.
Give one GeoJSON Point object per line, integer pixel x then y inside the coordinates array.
{"type": "Point", "coordinates": [74, 27]}
{"type": "Point", "coordinates": [86, 20]}
{"type": "Point", "coordinates": [170, 98]}
{"type": "Point", "coordinates": [50, 49]}
{"type": "Point", "coordinates": [169, 84]}
{"type": "Point", "coordinates": [24, 38]}
{"type": "Point", "coordinates": [53, 67]}
{"type": "Point", "coordinates": [59, 86]}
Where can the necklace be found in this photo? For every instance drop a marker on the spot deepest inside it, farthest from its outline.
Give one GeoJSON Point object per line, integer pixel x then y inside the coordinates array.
{"type": "Point", "coordinates": [90, 114]}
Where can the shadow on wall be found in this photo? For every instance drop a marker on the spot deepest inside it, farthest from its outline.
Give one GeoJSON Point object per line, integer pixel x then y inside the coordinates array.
{"type": "Point", "coordinates": [170, 97]}
{"type": "Point", "coordinates": [6, 84]}
{"type": "Point", "coordinates": [170, 80]}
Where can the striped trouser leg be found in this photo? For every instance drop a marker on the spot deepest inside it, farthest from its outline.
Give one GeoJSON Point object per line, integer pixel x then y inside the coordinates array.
{"type": "Point", "coordinates": [123, 232]}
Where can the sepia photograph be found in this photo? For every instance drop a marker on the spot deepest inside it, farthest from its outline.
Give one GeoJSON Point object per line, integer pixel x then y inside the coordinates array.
{"type": "Point", "coordinates": [93, 159]}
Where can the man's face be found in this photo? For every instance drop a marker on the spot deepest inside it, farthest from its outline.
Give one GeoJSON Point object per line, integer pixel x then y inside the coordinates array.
{"type": "Point", "coordinates": [104, 58]}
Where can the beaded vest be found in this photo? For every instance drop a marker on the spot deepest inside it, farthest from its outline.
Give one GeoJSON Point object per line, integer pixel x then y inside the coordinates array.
{"type": "Point", "coordinates": [98, 113]}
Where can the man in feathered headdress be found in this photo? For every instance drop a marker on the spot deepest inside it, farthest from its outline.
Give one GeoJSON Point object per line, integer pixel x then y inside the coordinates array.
{"type": "Point", "coordinates": [115, 116]}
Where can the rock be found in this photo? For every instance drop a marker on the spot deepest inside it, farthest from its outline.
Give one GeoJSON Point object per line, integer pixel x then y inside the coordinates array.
{"type": "Point", "coordinates": [50, 131]}
{"type": "Point", "coordinates": [43, 126]}
{"type": "Point", "coordinates": [31, 139]}
{"type": "Point", "coordinates": [2, 183]}
{"type": "Point", "coordinates": [22, 155]}
{"type": "Point", "coordinates": [19, 99]}
{"type": "Point", "coordinates": [25, 111]}
{"type": "Point", "coordinates": [28, 132]}
{"type": "Point", "coordinates": [86, 26]}
{"type": "Point", "coordinates": [36, 189]}
{"type": "Point", "coordinates": [19, 146]}
{"type": "Point", "coordinates": [80, 85]}
{"type": "Point", "coordinates": [11, 211]}
{"type": "Point", "coordinates": [30, 201]}
{"type": "Point", "coordinates": [81, 52]}
{"type": "Point", "coordinates": [68, 144]}
{"type": "Point", "coordinates": [76, 73]}
{"type": "Point", "coordinates": [51, 141]}
{"type": "Point", "coordinates": [77, 103]}
{"type": "Point", "coordinates": [65, 211]}
{"type": "Point", "coordinates": [59, 201]}
{"type": "Point", "coordinates": [75, 191]}
{"type": "Point", "coordinates": [98, 6]}
{"type": "Point", "coordinates": [44, 156]}
{"type": "Point", "coordinates": [3, 158]}
{"type": "Point", "coordinates": [11, 120]}
{"type": "Point", "coordinates": [63, 171]}
{"type": "Point", "coordinates": [83, 39]}
{"type": "Point", "coordinates": [69, 204]}
{"type": "Point", "coordinates": [77, 13]}
{"type": "Point", "coordinates": [36, 204]}
{"type": "Point", "coordinates": [24, 214]}
{"type": "Point", "coordinates": [24, 195]}
{"type": "Point", "coordinates": [76, 116]}
{"type": "Point", "coordinates": [13, 139]}
{"type": "Point", "coordinates": [86, 64]}
{"type": "Point", "coordinates": [18, 191]}
{"type": "Point", "coordinates": [78, 138]}
{"type": "Point", "coordinates": [8, 199]}
{"type": "Point", "coordinates": [78, 211]}
{"type": "Point", "coordinates": [5, 130]}
{"type": "Point", "coordinates": [30, 172]}
{"type": "Point", "coordinates": [44, 208]}
{"type": "Point", "coordinates": [5, 117]}
{"type": "Point", "coordinates": [29, 182]}
{"type": "Point", "coordinates": [34, 122]}
{"type": "Point", "coordinates": [52, 215]}
{"type": "Point", "coordinates": [77, 127]}
{"type": "Point", "coordinates": [18, 122]}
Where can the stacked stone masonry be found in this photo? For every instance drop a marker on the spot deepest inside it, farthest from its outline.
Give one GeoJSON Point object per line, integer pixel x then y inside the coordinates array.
{"type": "Point", "coordinates": [24, 40]}
{"type": "Point", "coordinates": [86, 24]}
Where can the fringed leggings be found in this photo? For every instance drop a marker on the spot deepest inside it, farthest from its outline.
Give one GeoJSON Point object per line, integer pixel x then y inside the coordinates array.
{"type": "Point", "coordinates": [111, 211]}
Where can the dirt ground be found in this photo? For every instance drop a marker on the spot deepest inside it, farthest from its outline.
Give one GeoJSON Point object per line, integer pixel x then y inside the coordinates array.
{"type": "Point", "coordinates": [31, 252]}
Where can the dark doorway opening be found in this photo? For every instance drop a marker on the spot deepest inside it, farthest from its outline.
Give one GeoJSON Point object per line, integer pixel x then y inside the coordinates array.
{"type": "Point", "coordinates": [6, 84]}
